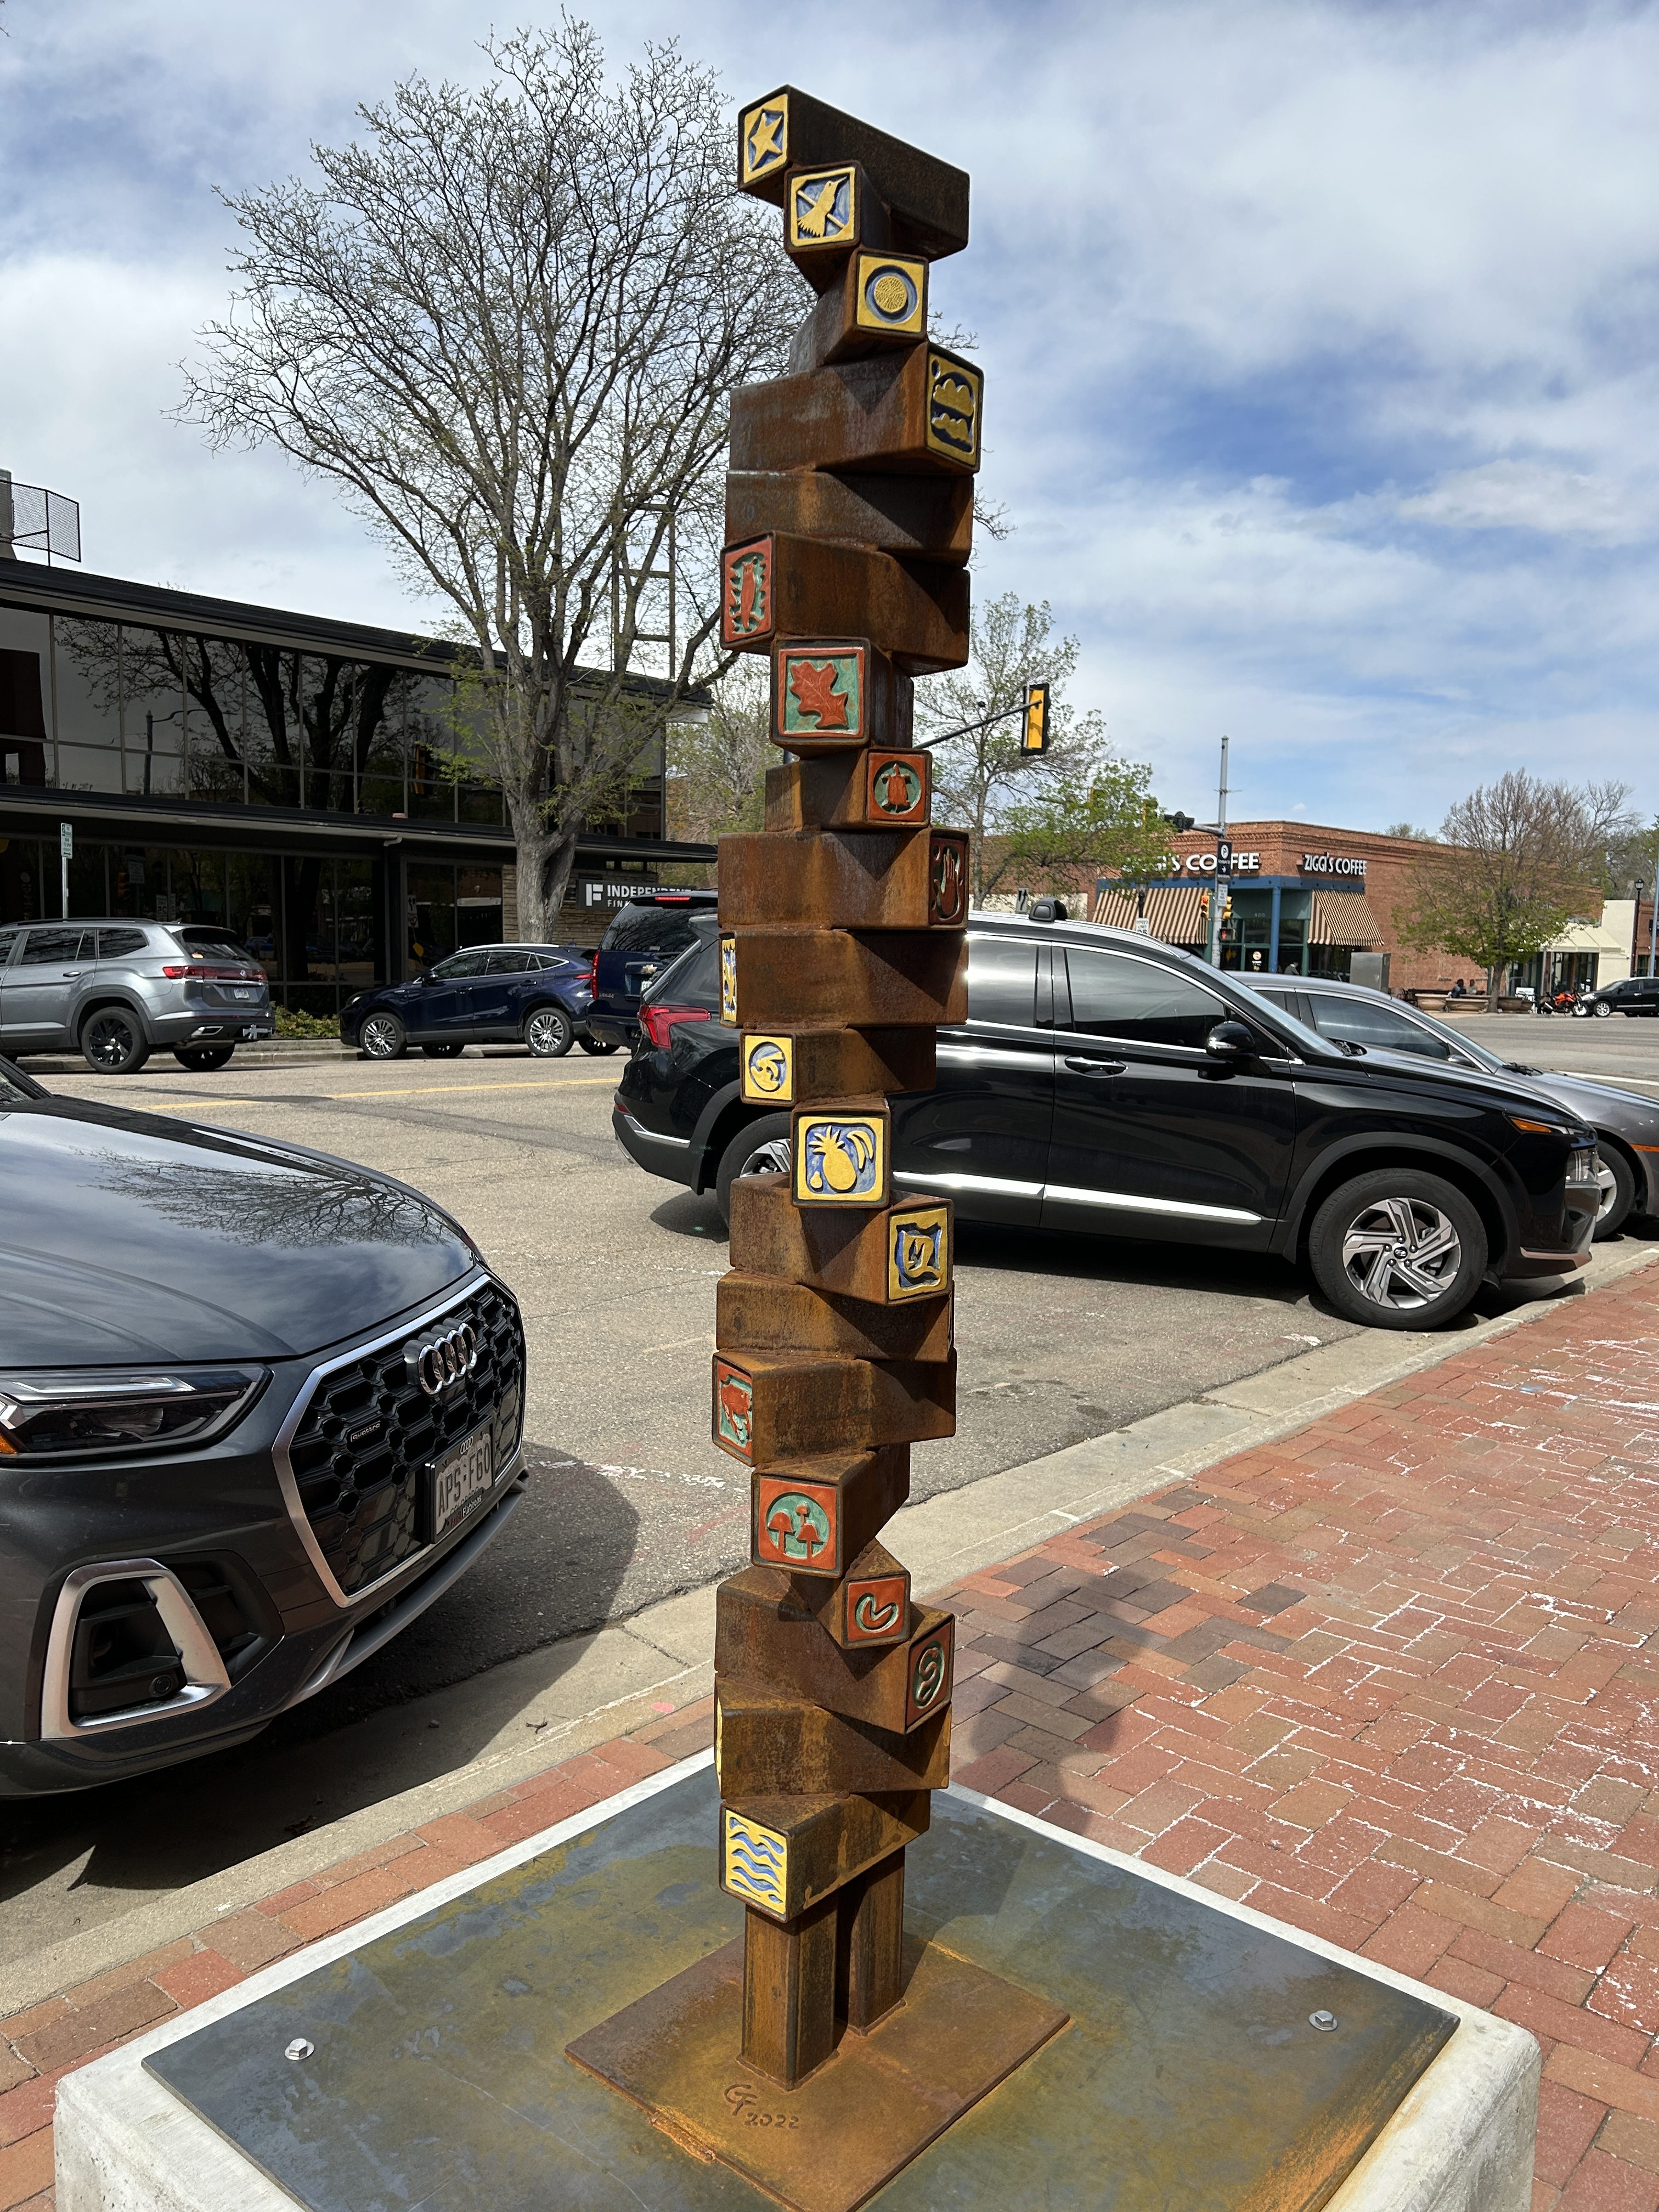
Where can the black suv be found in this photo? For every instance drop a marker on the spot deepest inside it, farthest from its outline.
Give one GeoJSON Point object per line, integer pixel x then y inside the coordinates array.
{"type": "Point", "coordinates": [1633, 994]}
{"type": "Point", "coordinates": [1110, 1084]}
{"type": "Point", "coordinates": [640, 941]}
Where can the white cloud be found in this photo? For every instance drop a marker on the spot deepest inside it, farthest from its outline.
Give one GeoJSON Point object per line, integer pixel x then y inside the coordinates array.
{"type": "Point", "coordinates": [1320, 339]}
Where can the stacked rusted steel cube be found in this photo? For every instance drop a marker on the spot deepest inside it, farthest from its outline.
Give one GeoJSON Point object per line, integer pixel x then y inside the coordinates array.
{"type": "Point", "coordinates": [849, 511]}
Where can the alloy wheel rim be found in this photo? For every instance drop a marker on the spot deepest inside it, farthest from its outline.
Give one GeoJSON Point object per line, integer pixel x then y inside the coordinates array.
{"type": "Point", "coordinates": [770, 1158]}
{"type": "Point", "coordinates": [378, 1038]}
{"type": "Point", "coordinates": [1402, 1253]}
{"type": "Point", "coordinates": [546, 1029]}
{"type": "Point", "coordinates": [110, 1043]}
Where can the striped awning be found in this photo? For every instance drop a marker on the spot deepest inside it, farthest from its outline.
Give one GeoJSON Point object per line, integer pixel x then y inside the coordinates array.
{"type": "Point", "coordinates": [1174, 912]}
{"type": "Point", "coordinates": [1342, 918]}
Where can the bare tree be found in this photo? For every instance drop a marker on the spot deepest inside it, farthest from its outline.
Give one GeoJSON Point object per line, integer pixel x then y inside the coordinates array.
{"type": "Point", "coordinates": [717, 763]}
{"type": "Point", "coordinates": [507, 325]}
{"type": "Point", "coordinates": [976, 777]}
{"type": "Point", "coordinates": [1517, 859]}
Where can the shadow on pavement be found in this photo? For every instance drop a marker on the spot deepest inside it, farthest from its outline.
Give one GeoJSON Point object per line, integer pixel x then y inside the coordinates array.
{"type": "Point", "coordinates": [552, 1574]}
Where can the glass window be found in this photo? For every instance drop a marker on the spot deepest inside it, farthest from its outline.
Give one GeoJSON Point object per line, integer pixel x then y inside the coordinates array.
{"type": "Point", "coordinates": [1366, 1021]}
{"type": "Point", "coordinates": [429, 923]}
{"type": "Point", "coordinates": [511, 963]}
{"type": "Point", "coordinates": [650, 929]}
{"type": "Point", "coordinates": [1002, 981]}
{"type": "Point", "coordinates": [25, 719]}
{"type": "Point", "coordinates": [1116, 995]}
{"type": "Point", "coordinates": [210, 944]}
{"type": "Point", "coordinates": [8, 938]}
{"type": "Point", "coordinates": [464, 963]}
{"type": "Point", "coordinates": [120, 943]}
{"type": "Point", "coordinates": [45, 946]}
{"type": "Point", "coordinates": [87, 672]}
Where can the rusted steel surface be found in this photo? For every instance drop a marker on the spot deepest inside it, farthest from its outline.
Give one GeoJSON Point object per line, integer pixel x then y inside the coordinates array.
{"type": "Point", "coordinates": [869, 981]}
{"type": "Point", "coordinates": [777, 586]}
{"type": "Point", "coordinates": [767, 1315]}
{"type": "Point", "coordinates": [863, 879]}
{"type": "Point", "coordinates": [926, 198]}
{"type": "Point", "coordinates": [804, 1067]}
{"type": "Point", "coordinates": [914, 414]}
{"type": "Point", "coordinates": [772, 1408]}
{"type": "Point", "coordinates": [770, 1742]}
{"type": "Point", "coordinates": [925, 517]}
{"type": "Point", "coordinates": [902, 1255]}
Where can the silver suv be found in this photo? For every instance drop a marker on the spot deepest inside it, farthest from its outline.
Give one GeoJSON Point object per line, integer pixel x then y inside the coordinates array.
{"type": "Point", "coordinates": [115, 990]}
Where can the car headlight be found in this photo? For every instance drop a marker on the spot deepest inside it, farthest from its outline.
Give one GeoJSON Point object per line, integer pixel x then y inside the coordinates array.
{"type": "Point", "coordinates": [1583, 1165]}
{"type": "Point", "coordinates": [138, 1410]}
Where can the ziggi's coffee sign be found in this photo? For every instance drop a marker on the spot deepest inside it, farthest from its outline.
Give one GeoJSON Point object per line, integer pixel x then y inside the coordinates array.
{"type": "Point", "coordinates": [1203, 864]}
{"type": "Point", "coordinates": [1331, 864]}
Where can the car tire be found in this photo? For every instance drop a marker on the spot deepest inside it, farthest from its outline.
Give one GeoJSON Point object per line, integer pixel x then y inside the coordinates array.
{"type": "Point", "coordinates": [760, 1147]}
{"type": "Point", "coordinates": [203, 1057]}
{"type": "Point", "coordinates": [382, 1036]}
{"type": "Point", "coordinates": [1603, 1010]}
{"type": "Point", "coordinates": [1397, 1248]}
{"type": "Point", "coordinates": [451, 1051]}
{"type": "Point", "coordinates": [549, 1032]}
{"type": "Point", "coordinates": [1616, 1211]}
{"type": "Point", "coordinates": [112, 1042]}
{"type": "Point", "coordinates": [596, 1045]}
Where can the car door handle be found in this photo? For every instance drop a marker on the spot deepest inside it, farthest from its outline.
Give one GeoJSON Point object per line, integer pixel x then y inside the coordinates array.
{"type": "Point", "coordinates": [1096, 1066]}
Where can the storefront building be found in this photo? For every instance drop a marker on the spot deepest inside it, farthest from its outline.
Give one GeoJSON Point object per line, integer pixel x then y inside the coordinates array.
{"type": "Point", "coordinates": [305, 783]}
{"type": "Point", "coordinates": [1305, 899]}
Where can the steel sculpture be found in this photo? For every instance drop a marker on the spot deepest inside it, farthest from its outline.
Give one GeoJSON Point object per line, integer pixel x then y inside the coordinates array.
{"type": "Point", "coordinates": [849, 517]}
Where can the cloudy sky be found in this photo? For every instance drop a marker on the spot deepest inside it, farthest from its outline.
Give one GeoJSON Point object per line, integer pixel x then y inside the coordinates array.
{"type": "Point", "coordinates": [1321, 340]}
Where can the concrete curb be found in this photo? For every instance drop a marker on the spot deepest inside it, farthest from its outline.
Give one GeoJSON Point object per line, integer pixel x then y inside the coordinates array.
{"type": "Point", "coordinates": [553, 1702]}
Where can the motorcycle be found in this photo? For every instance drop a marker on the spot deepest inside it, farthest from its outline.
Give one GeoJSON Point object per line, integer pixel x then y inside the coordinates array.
{"type": "Point", "coordinates": [1568, 1000]}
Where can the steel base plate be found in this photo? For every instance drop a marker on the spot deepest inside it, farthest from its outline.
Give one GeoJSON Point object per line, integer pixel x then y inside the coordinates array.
{"type": "Point", "coordinates": [1190, 2078]}
{"type": "Point", "coordinates": [829, 2144]}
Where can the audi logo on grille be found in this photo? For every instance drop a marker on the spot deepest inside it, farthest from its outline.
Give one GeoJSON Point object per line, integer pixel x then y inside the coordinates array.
{"type": "Point", "coordinates": [438, 1363]}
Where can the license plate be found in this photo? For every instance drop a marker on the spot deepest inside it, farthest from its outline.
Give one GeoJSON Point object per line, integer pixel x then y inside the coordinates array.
{"type": "Point", "coordinates": [460, 1478]}
{"type": "Point", "coordinates": [245, 995]}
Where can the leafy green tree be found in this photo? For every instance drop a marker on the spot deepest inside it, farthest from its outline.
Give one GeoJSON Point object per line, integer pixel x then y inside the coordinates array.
{"type": "Point", "coordinates": [1104, 821]}
{"type": "Point", "coordinates": [1518, 859]}
{"type": "Point", "coordinates": [978, 777]}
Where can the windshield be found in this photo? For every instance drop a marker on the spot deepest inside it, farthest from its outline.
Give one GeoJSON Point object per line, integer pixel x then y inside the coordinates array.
{"type": "Point", "coordinates": [211, 944]}
{"type": "Point", "coordinates": [1479, 1054]}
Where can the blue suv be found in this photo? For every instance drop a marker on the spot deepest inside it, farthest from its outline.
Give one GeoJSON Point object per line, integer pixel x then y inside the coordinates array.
{"type": "Point", "coordinates": [643, 938]}
{"type": "Point", "coordinates": [537, 995]}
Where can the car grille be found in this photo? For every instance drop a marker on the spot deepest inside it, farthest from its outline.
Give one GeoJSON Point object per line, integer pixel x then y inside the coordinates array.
{"type": "Point", "coordinates": [369, 1430]}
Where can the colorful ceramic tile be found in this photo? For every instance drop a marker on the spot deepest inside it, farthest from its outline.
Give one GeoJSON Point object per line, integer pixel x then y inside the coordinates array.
{"type": "Point", "coordinates": [729, 981]}
{"type": "Point", "coordinates": [822, 208]}
{"type": "Point", "coordinates": [928, 1690]}
{"type": "Point", "coordinates": [840, 1159]}
{"type": "Point", "coordinates": [897, 788]}
{"type": "Point", "coordinates": [877, 1608]}
{"type": "Point", "coordinates": [819, 691]}
{"type": "Point", "coordinates": [797, 1524]}
{"type": "Point", "coordinates": [763, 139]}
{"type": "Point", "coordinates": [947, 880]}
{"type": "Point", "coordinates": [754, 1862]}
{"type": "Point", "coordinates": [734, 1410]}
{"type": "Point", "coordinates": [746, 592]}
{"type": "Point", "coordinates": [891, 294]}
{"type": "Point", "coordinates": [955, 393]}
{"type": "Point", "coordinates": [769, 1069]}
{"type": "Point", "coordinates": [918, 1252]}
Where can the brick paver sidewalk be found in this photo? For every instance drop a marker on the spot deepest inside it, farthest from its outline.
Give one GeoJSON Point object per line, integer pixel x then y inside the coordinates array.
{"type": "Point", "coordinates": [1389, 1680]}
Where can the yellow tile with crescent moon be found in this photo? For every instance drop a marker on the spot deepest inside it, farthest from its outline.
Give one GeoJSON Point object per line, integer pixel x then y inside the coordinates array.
{"type": "Point", "coordinates": [768, 1069]}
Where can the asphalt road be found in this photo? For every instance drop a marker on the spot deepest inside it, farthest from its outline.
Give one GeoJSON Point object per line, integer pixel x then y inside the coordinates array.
{"type": "Point", "coordinates": [629, 1502]}
{"type": "Point", "coordinates": [1617, 1050]}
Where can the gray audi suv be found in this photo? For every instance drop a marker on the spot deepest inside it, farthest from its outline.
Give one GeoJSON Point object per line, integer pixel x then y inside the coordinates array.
{"type": "Point", "coordinates": [114, 991]}
{"type": "Point", "coordinates": [259, 1408]}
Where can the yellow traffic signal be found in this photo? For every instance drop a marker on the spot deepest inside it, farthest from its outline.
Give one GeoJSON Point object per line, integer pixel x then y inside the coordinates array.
{"type": "Point", "coordinates": [1034, 731]}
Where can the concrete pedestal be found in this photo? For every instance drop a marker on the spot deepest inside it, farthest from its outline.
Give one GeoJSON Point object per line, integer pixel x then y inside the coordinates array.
{"type": "Point", "coordinates": [433, 2037]}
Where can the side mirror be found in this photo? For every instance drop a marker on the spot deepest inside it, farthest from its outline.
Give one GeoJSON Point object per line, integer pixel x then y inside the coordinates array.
{"type": "Point", "coordinates": [1230, 1041]}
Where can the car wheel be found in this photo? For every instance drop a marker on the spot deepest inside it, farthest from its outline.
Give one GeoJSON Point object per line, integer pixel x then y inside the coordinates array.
{"type": "Point", "coordinates": [549, 1033]}
{"type": "Point", "coordinates": [113, 1042]}
{"type": "Point", "coordinates": [205, 1057]}
{"type": "Point", "coordinates": [1603, 1010]}
{"type": "Point", "coordinates": [596, 1045]}
{"type": "Point", "coordinates": [1618, 1199]}
{"type": "Point", "coordinates": [443, 1051]}
{"type": "Point", "coordinates": [1398, 1249]}
{"type": "Point", "coordinates": [760, 1147]}
{"type": "Point", "coordinates": [382, 1036]}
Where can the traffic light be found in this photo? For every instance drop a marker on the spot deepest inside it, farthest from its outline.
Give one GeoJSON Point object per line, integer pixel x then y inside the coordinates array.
{"type": "Point", "coordinates": [1034, 730]}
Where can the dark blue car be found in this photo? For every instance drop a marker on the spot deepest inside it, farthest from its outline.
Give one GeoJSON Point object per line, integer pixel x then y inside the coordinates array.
{"type": "Point", "coordinates": [536, 995]}
{"type": "Point", "coordinates": [643, 937]}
